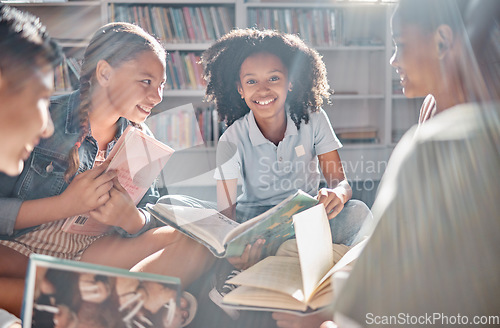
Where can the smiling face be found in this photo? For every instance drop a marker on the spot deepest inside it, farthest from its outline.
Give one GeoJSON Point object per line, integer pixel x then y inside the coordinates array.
{"type": "Point", "coordinates": [416, 60]}
{"type": "Point", "coordinates": [24, 116]}
{"type": "Point", "coordinates": [136, 86]}
{"type": "Point", "coordinates": [264, 85]}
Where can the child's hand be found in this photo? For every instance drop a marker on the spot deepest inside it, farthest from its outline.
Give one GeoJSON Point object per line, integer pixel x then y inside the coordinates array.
{"type": "Point", "coordinates": [119, 210]}
{"type": "Point", "coordinates": [88, 190]}
{"type": "Point", "coordinates": [333, 203]}
{"type": "Point", "coordinates": [250, 256]}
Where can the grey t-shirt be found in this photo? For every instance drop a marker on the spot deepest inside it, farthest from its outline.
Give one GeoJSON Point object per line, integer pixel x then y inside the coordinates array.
{"type": "Point", "coordinates": [272, 172]}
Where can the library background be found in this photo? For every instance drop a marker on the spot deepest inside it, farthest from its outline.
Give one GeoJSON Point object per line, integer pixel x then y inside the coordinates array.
{"type": "Point", "coordinates": [368, 112]}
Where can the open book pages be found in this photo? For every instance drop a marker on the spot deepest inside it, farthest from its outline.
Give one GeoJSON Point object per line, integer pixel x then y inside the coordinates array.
{"type": "Point", "coordinates": [207, 226]}
{"type": "Point", "coordinates": [138, 160]}
{"type": "Point", "coordinates": [78, 294]}
{"type": "Point", "coordinates": [226, 238]}
{"type": "Point", "coordinates": [314, 246]}
{"type": "Point", "coordinates": [294, 283]}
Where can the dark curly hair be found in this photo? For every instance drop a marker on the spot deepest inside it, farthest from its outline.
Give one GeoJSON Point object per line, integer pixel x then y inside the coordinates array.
{"type": "Point", "coordinates": [306, 71]}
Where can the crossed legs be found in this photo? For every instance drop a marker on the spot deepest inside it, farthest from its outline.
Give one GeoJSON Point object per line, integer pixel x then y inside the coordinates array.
{"type": "Point", "coordinates": [161, 250]}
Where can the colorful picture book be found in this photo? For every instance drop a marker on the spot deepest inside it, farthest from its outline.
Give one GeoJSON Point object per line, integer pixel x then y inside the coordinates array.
{"type": "Point", "coordinates": [64, 293]}
{"type": "Point", "coordinates": [138, 160]}
{"type": "Point", "coordinates": [225, 237]}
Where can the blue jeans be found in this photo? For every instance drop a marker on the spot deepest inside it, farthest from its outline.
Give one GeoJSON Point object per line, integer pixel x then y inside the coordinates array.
{"type": "Point", "coordinates": [348, 227]}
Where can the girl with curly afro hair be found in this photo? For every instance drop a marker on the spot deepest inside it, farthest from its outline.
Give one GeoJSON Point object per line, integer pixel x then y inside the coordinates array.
{"type": "Point", "coordinates": [306, 72]}
{"type": "Point", "coordinates": [269, 88]}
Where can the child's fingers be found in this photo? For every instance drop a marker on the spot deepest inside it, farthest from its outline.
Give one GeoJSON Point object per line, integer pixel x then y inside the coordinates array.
{"type": "Point", "coordinates": [333, 202]}
{"type": "Point", "coordinates": [322, 195]}
{"type": "Point", "coordinates": [246, 254]}
{"type": "Point", "coordinates": [335, 211]}
{"type": "Point", "coordinates": [240, 261]}
{"type": "Point", "coordinates": [105, 177]}
{"type": "Point", "coordinates": [117, 185]}
{"type": "Point", "coordinates": [102, 214]}
{"type": "Point", "coordinates": [255, 252]}
{"type": "Point", "coordinates": [104, 189]}
{"type": "Point", "coordinates": [97, 170]}
{"type": "Point", "coordinates": [103, 198]}
{"type": "Point", "coordinates": [184, 303]}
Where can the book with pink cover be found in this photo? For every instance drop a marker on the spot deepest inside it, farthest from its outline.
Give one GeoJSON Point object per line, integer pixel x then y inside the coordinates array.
{"type": "Point", "coordinates": [138, 160]}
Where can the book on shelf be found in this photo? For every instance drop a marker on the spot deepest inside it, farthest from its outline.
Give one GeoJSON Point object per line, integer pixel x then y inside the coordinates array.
{"type": "Point", "coordinates": [177, 24]}
{"type": "Point", "coordinates": [184, 71]}
{"type": "Point", "coordinates": [300, 284]}
{"type": "Point", "coordinates": [67, 74]}
{"type": "Point", "coordinates": [138, 160]}
{"type": "Point", "coordinates": [35, 1]}
{"type": "Point", "coordinates": [225, 237]}
{"type": "Point", "coordinates": [359, 134]}
{"type": "Point", "coordinates": [79, 294]}
{"type": "Point", "coordinates": [61, 78]}
{"type": "Point", "coordinates": [182, 127]}
{"type": "Point", "coordinates": [327, 30]}
{"type": "Point", "coordinates": [364, 42]}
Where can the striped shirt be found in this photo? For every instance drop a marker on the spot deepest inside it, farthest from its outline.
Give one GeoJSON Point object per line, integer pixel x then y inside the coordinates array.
{"type": "Point", "coordinates": [49, 239]}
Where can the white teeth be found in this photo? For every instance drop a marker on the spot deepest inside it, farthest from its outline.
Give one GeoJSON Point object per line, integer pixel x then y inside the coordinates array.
{"type": "Point", "coordinates": [264, 102]}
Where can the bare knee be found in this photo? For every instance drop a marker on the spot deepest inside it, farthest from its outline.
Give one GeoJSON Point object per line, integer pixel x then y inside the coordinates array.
{"type": "Point", "coordinates": [12, 264]}
{"type": "Point", "coordinates": [159, 238]}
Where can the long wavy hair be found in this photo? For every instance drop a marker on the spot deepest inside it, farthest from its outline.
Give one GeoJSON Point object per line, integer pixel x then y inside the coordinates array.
{"type": "Point", "coordinates": [115, 43]}
{"type": "Point", "coordinates": [306, 71]}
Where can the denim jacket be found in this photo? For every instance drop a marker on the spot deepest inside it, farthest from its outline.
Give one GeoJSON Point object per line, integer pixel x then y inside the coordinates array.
{"type": "Point", "coordinates": [43, 173]}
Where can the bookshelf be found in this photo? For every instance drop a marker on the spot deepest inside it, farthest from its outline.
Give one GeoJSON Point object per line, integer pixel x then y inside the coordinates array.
{"type": "Point", "coordinates": [352, 36]}
{"type": "Point", "coordinates": [72, 23]}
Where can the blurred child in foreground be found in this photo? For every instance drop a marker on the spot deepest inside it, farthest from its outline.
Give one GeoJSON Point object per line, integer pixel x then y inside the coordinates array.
{"type": "Point", "coordinates": [435, 247]}
{"type": "Point", "coordinates": [27, 59]}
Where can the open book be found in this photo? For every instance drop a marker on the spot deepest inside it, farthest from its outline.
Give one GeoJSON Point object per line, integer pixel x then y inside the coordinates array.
{"type": "Point", "coordinates": [138, 160]}
{"type": "Point", "coordinates": [225, 237]}
{"type": "Point", "coordinates": [78, 294]}
{"type": "Point", "coordinates": [294, 283]}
